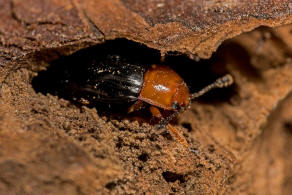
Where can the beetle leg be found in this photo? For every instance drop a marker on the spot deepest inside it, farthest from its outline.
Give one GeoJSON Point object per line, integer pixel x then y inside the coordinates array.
{"type": "Point", "coordinates": [178, 136]}
{"type": "Point", "coordinates": [156, 112]}
{"type": "Point", "coordinates": [136, 106]}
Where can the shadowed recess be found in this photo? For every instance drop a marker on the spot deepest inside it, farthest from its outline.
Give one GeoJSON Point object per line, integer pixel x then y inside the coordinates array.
{"type": "Point", "coordinates": [67, 74]}
{"type": "Point", "coordinates": [172, 177]}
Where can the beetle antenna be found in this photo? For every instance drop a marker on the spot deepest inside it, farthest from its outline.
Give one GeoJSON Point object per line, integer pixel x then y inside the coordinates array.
{"type": "Point", "coordinates": [167, 119]}
{"type": "Point", "coordinates": [221, 82]}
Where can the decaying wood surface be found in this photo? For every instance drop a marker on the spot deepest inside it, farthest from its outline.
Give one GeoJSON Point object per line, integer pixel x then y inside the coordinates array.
{"type": "Point", "coordinates": [243, 139]}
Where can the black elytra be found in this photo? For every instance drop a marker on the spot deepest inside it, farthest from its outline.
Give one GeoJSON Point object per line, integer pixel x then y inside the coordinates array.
{"type": "Point", "coordinates": [113, 81]}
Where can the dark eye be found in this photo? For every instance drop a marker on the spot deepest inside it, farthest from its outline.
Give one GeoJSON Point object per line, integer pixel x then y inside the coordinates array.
{"type": "Point", "coordinates": [175, 105]}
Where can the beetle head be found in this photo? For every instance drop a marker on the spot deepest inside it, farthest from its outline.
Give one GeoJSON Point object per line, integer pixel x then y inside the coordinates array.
{"type": "Point", "coordinates": [181, 98]}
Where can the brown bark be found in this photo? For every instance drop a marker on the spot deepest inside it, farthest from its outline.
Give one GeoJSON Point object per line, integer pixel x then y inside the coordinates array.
{"type": "Point", "coordinates": [242, 138]}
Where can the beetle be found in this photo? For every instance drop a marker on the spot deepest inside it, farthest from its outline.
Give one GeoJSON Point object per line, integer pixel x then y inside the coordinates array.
{"type": "Point", "coordinates": [114, 80]}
